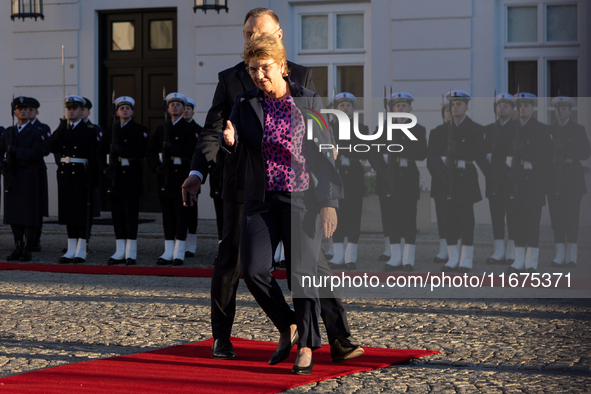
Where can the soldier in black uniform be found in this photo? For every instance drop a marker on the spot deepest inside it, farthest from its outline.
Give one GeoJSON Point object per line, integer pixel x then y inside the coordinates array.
{"type": "Point", "coordinates": [403, 189]}
{"type": "Point", "coordinates": [532, 152]}
{"type": "Point", "coordinates": [193, 212]}
{"type": "Point", "coordinates": [125, 142]}
{"type": "Point", "coordinates": [77, 144]}
{"type": "Point", "coordinates": [21, 146]}
{"type": "Point", "coordinates": [169, 154]}
{"type": "Point", "coordinates": [463, 144]}
{"type": "Point", "coordinates": [352, 173]}
{"type": "Point", "coordinates": [433, 160]}
{"type": "Point", "coordinates": [499, 140]}
{"type": "Point", "coordinates": [41, 172]}
{"type": "Point", "coordinates": [567, 186]}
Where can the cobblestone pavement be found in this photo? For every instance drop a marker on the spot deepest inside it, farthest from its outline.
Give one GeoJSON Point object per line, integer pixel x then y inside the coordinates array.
{"type": "Point", "coordinates": [487, 345]}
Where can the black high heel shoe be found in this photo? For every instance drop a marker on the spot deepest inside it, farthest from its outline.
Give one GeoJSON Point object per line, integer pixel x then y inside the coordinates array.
{"type": "Point", "coordinates": [281, 354]}
{"type": "Point", "coordinates": [303, 370]}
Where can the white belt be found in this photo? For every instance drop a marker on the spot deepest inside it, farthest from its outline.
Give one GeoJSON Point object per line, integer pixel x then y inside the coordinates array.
{"type": "Point", "coordinates": [175, 160]}
{"type": "Point", "coordinates": [527, 165]}
{"type": "Point", "coordinates": [124, 162]}
{"type": "Point", "coordinates": [460, 163]}
{"type": "Point", "coordinates": [73, 160]}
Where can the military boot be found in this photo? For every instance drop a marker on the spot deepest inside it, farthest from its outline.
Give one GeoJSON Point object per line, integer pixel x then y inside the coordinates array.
{"type": "Point", "coordinates": [17, 253]}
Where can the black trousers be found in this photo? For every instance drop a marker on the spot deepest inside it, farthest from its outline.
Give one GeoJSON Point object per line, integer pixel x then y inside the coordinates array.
{"type": "Point", "coordinates": [349, 219]}
{"type": "Point", "coordinates": [498, 212]}
{"type": "Point", "coordinates": [21, 232]}
{"type": "Point", "coordinates": [384, 207]}
{"type": "Point", "coordinates": [174, 218]}
{"type": "Point", "coordinates": [527, 222]}
{"type": "Point", "coordinates": [439, 215]}
{"type": "Point", "coordinates": [226, 273]}
{"type": "Point", "coordinates": [218, 205]}
{"type": "Point", "coordinates": [564, 216]}
{"type": "Point", "coordinates": [459, 223]}
{"type": "Point", "coordinates": [192, 214]}
{"type": "Point", "coordinates": [125, 214]}
{"type": "Point", "coordinates": [403, 220]}
{"type": "Point", "coordinates": [76, 231]}
{"type": "Point", "coordinates": [264, 224]}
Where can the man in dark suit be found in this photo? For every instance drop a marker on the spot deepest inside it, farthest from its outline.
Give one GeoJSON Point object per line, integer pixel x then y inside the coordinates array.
{"type": "Point", "coordinates": [231, 83]}
{"type": "Point", "coordinates": [21, 147]}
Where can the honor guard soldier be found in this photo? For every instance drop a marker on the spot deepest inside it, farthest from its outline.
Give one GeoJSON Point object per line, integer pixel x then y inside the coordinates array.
{"type": "Point", "coordinates": [77, 174]}
{"type": "Point", "coordinates": [191, 242]}
{"type": "Point", "coordinates": [532, 152]}
{"type": "Point", "coordinates": [41, 172]}
{"type": "Point", "coordinates": [567, 185]}
{"type": "Point", "coordinates": [21, 147]}
{"type": "Point", "coordinates": [169, 155]}
{"type": "Point", "coordinates": [125, 143]}
{"type": "Point", "coordinates": [352, 173]}
{"type": "Point", "coordinates": [499, 145]}
{"type": "Point", "coordinates": [403, 189]}
{"type": "Point", "coordinates": [435, 151]}
{"type": "Point", "coordinates": [464, 143]}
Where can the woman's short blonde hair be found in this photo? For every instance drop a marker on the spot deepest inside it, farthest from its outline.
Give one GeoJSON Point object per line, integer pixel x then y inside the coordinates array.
{"type": "Point", "coordinates": [265, 46]}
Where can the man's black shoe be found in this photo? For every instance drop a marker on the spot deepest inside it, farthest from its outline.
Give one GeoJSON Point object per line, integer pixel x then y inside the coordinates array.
{"type": "Point", "coordinates": [113, 261]}
{"type": "Point", "coordinates": [162, 261]}
{"type": "Point", "coordinates": [78, 260]}
{"type": "Point", "coordinates": [189, 254]}
{"type": "Point", "coordinates": [130, 261]}
{"type": "Point", "coordinates": [177, 262]}
{"type": "Point", "coordinates": [438, 260]}
{"type": "Point", "coordinates": [342, 350]}
{"type": "Point", "coordinates": [26, 256]}
{"type": "Point", "coordinates": [222, 349]}
{"type": "Point", "coordinates": [65, 260]}
{"type": "Point", "coordinates": [383, 257]}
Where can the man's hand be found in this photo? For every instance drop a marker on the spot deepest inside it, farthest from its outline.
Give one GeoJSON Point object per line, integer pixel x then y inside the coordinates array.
{"type": "Point", "coordinates": [189, 190]}
{"type": "Point", "coordinates": [229, 134]}
{"type": "Point", "coordinates": [328, 220]}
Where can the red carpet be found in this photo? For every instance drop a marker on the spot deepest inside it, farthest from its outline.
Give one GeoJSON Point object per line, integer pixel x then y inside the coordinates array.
{"type": "Point", "coordinates": [118, 270]}
{"type": "Point", "coordinates": [190, 369]}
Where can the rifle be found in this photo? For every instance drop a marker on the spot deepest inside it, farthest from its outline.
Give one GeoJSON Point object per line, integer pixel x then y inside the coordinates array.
{"type": "Point", "coordinates": [10, 155]}
{"type": "Point", "coordinates": [111, 171]}
{"type": "Point", "coordinates": [64, 86]}
{"type": "Point", "coordinates": [495, 144]}
{"type": "Point", "coordinates": [516, 165]}
{"type": "Point", "coordinates": [165, 143]}
{"type": "Point", "coordinates": [448, 177]}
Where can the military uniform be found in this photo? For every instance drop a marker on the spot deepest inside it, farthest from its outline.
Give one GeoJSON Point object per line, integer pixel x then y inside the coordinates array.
{"type": "Point", "coordinates": [463, 144]}
{"type": "Point", "coordinates": [77, 174]}
{"type": "Point", "coordinates": [126, 146]}
{"type": "Point", "coordinates": [401, 178]}
{"type": "Point", "coordinates": [23, 145]}
{"type": "Point", "coordinates": [434, 154]}
{"type": "Point", "coordinates": [533, 150]}
{"type": "Point", "coordinates": [567, 184]}
{"type": "Point", "coordinates": [499, 145]}
{"type": "Point", "coordinates": [171, 159]}
{"type": "Point", "coordinates": [42, 178]}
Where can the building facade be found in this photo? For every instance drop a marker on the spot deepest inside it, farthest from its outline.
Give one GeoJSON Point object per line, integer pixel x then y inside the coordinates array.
{"type": "Point", "coordinates": [424, 47]}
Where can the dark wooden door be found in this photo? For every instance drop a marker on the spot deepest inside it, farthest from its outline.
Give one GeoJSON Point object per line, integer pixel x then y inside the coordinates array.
{"type": "Point", "coordinates": [138, 59]}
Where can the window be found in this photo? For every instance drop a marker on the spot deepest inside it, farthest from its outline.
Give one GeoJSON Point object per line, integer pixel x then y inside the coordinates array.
{"type": "Point", "coordinates": [161, 34]}
{"type": "Point", "coordinates": [123, 36]}
{"type": "Point", "coordinates": [333, 40]}
{"type": "Point", "coordinates": [522, 24]}
{"type": "Point", "coordinates": [544, 51]}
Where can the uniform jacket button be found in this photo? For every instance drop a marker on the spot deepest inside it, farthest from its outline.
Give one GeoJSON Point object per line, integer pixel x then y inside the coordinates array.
{"type": "Point", "coordinates": [315, 139]}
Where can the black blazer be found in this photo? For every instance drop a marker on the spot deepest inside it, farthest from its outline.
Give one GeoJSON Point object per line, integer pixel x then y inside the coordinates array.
{"type": "Point", "coordinates": [231, 83]}
{"type": "Point", "coordinates": [247, 117]}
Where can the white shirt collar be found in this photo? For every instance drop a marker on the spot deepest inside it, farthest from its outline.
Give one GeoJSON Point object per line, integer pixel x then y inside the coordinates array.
{"type": "Point", "coordinates": [178, 120]}
{"type": "Point", "coordinates": [462, 121]}
{"type": "Point", "coordinates": [123, 125]}
{"type": "Point", "coordinates": [23, 126]}
{"type": "Point", "coordinates": [75, 124]}
{"type": "Point", "coordinates": [505, 122]}
{"type": "Point", "coordinates": [562, 125]}
{"type": "Point", "coordinates": [523, 124]}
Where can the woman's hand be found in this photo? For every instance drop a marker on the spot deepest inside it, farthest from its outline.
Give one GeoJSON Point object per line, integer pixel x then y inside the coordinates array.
{"type": "Point", "coordinates": [229, 134]}
{"type": "Point", "coordinates": [328, 220]}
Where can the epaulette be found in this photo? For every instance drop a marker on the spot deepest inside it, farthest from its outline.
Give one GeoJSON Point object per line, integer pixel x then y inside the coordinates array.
{"type": "Point", "coordinates": [90, 126]}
